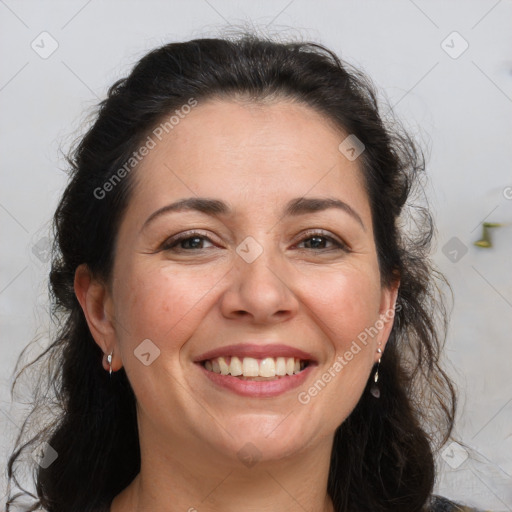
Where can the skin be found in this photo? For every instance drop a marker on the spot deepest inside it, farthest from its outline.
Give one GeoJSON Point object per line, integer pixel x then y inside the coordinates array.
{"type": "Point", "coordinates": [255, 157]}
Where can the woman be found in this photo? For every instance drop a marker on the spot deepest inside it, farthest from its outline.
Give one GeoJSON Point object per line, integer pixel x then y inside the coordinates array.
{"type": "Point", "coordinates": [230, 248]}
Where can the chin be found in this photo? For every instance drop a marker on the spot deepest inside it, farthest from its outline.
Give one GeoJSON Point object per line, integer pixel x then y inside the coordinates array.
{"type": "Point", "coordinates": [265, 437]}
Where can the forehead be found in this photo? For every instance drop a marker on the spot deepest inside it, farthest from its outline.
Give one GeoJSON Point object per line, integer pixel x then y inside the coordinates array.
{"type": "Point", "coordinates": [251, 155]}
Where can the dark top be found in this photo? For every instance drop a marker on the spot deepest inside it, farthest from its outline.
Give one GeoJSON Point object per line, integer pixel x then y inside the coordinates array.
{"type": "Point", "coordinates": [437, 504]}
{"type": "Point", "coordinates": [440, 504]}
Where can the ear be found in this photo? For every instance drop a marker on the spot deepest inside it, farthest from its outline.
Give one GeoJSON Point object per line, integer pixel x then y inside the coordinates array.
{"type": "Point", "coordinates": [386, 314]}
{"type": "Point", "coordinates": [96, 302]}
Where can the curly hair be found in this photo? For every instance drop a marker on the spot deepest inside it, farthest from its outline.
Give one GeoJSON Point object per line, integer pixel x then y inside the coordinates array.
{"type": "Point", "coordinates": [390, 442]}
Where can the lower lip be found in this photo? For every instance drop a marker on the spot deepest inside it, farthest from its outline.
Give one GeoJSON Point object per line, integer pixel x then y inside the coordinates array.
{"type": "Point", "coordinates": [258, 389]}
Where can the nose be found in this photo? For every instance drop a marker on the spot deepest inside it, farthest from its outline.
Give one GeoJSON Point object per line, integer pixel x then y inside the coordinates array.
{"type": "Point", "coordinates": [259, 292]}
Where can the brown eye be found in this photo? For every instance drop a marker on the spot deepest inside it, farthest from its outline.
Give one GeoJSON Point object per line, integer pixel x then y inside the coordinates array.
{"type": "Point", "coordinates": [187, 242]}
{"type": "Point", "coordinates": [318, 241]}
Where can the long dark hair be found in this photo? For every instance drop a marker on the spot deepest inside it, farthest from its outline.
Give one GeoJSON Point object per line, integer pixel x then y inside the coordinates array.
{"type": "Point", "coordinates": [383, 453]}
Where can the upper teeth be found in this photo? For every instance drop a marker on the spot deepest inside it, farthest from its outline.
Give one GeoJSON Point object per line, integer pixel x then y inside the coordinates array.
{"type": "Point", "coordinates": [251, 367]}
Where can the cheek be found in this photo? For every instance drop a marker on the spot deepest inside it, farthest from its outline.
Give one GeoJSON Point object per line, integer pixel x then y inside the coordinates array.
{"type": "Point", "coordinates": [161, 305]}
{"type": "Point", "coordinates": [345, 304]}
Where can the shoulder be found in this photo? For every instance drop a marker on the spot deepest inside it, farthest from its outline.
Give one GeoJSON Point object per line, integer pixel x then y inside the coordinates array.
{"type": "Point", "coordinates": [440, 504]}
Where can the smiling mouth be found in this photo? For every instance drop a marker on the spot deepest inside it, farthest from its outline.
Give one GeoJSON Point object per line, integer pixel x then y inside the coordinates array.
{"type": "Point", "coordinates": [250, 368]}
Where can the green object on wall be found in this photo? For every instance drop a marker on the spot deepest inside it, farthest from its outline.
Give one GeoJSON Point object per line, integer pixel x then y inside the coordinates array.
{"type": "Point", "coordinates": [485, 241]}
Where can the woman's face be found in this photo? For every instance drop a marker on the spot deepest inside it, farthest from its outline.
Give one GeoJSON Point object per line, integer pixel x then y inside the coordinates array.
{"type": "Point", "coordinates": [268, 263]}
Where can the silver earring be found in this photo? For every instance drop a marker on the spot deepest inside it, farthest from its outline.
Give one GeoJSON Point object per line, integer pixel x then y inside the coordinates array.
{"type": "Point", "coordinates": [374, 390]}
{"type": "Point", "coordinates": [109, 361]}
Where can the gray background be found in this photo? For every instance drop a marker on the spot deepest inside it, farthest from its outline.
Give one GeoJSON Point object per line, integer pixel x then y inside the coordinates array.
{"type": "Point", "coordinates": [459, 103]}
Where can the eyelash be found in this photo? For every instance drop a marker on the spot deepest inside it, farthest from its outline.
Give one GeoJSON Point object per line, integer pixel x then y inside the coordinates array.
{"type": "Point", "coordinates": [174, 242]}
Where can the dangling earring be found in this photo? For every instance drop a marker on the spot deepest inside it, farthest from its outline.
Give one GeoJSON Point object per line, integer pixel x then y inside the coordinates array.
{"type": "Point", "coordinates": [109, 361]}
{"type": "Point", "coordinates": [374, 390]}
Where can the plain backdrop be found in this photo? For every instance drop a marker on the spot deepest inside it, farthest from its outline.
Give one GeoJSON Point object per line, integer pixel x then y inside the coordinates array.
{"type": "Point", "coordinates": [445, 67]}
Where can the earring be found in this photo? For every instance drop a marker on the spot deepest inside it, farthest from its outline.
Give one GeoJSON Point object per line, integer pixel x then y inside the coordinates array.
{"type": "Point", "coordinates": [109, 361]}
{"type": "Point", "coordinates": [374, 390]}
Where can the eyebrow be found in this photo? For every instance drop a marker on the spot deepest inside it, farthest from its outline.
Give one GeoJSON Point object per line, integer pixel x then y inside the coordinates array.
{"type": "Point", "coordinates": [295, 207]}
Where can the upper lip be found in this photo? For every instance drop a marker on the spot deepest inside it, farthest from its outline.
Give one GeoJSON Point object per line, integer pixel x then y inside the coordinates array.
{"type": "Point", "coordinates": [255, 351]}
